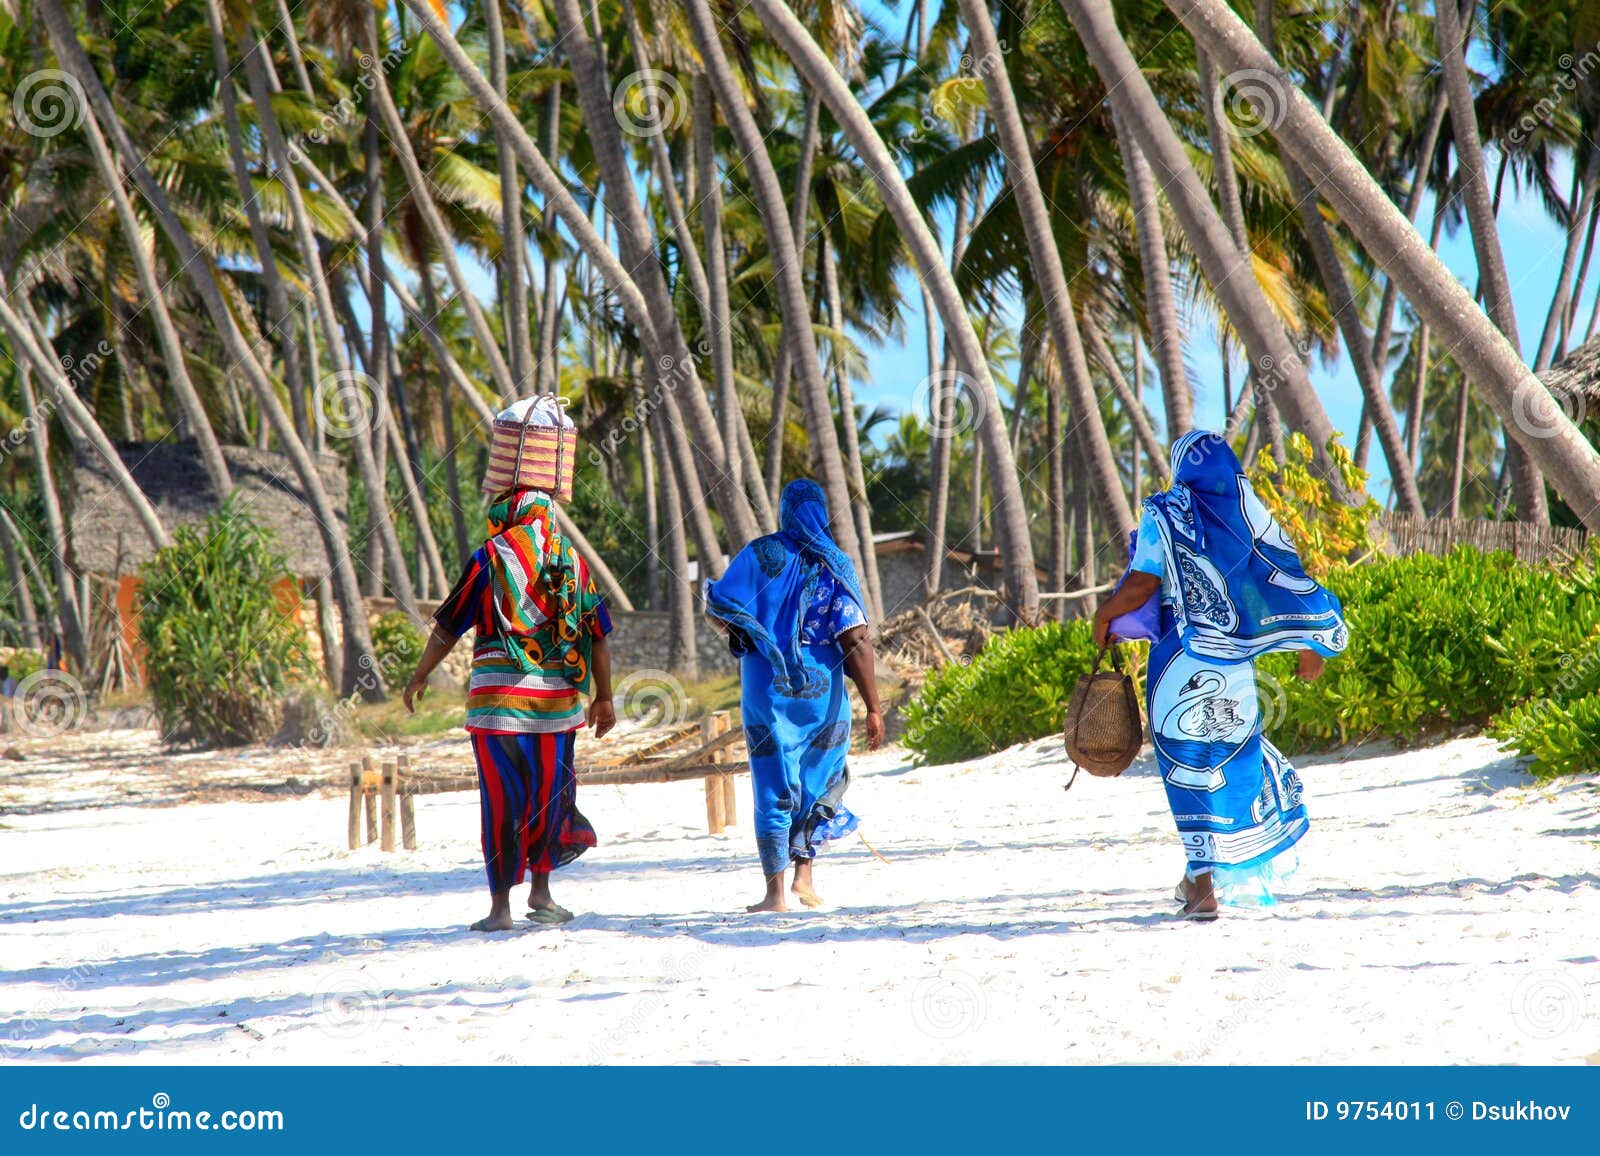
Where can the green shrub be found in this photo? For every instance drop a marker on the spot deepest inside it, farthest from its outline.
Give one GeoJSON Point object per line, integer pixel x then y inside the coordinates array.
{"type": "Point", "coordinates": [24, 662]}
{"type": "Point", "coordinates": [1015, 689]}
{"type": "Point", "coordinates": [397, 643]}
{"type": "Point", "coordinates": [1472, 639]}
{"type": "Point", "coordinates": [222, 638]}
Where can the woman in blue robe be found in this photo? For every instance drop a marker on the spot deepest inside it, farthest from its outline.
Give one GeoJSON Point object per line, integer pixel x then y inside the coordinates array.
{"type": "Point", "coordinates": [1232, 588]}
{"type": "Point", "coordinates": [793, 613]}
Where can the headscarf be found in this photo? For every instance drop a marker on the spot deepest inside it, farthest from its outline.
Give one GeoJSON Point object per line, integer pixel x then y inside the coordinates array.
{"type": "Point", "coordinates": [768, 586]}
{"type": "Point", "coordinates": [1241, 590]}
{"type": "Point", "coordinates": [540, 587]}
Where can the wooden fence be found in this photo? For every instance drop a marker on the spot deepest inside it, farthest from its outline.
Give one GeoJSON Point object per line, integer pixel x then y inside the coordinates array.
{"type": "Point", "coordinates": [1403, 534]}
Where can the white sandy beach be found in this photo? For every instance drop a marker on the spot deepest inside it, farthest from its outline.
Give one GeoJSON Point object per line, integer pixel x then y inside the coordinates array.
{"type": "Point", "coordinates": [1445, 912]}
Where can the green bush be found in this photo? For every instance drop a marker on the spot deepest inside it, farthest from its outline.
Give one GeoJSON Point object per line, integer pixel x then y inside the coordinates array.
{"type": "Point", "coordinates": [397, 643]}
{"type": "Point", "coordinates": [1015, 689]}
{"type": "Point", "coordinates": [1472, 639]}
{"type": "Point", "coordinates": [222, 637]}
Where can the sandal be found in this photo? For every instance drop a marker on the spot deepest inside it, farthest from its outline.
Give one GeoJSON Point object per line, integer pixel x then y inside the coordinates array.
{"type": "Point", "coordinates": [552, 915]}
{"type": "Point", "coordinates": [1191, 915]}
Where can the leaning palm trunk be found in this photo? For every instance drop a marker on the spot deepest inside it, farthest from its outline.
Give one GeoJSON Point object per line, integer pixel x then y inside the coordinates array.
{"type": "Point", "coordinates": [513, 245]}
{"type": "Point", "coordinates": [1527, 483]}
{"type": "Point", "coordinates": [427, 211]}
{"type": "Point", "coordinates": [359, 660]}
{"type": "Point", "coordinates": [1484, 353]}
{"type": "Point", "coordinates": [799, 212]}
{"type": "Point", "coordinates": [194, 412]}
{"type": "Point", "coordinates": [372, 478]}
{"type": "Point", "coordinates": [871, 588]}
{"type": "Point", "coordinates": [1277, 367]}
{"type": "Point", "coordinates": [669, 352]}
{"type": "Point", "coordinates": [1166, 339]}
{"type": "Point", "coordinates": [1097, 457]}
{"type": "Point", "coordinates": [280, 312]}
{"type": "Point", "coordinates": [1128, 395]}
{"type": "Point", "coordinates": [1336, 284]}
{"type": "Point", "coordinates": [682, 653]}
{"type": "Point", "coordinates": [29, 339]}
{"type": "Point", "coordinates": [1578, 219]}
{"type": "Point", "coordinates": [1021, 583]}
{"type": "Point", "coordinates": [21, 588]}
{"type": "Point", "coordinates": [73, 615]}
{"type": "Point", "coordinates": [636, 241]}
{"type": "Point", "coordinates": [791, 291]}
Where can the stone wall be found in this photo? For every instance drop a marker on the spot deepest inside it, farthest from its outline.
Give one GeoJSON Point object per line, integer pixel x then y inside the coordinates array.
{"type": "Point", "coordinates": [639, 642]}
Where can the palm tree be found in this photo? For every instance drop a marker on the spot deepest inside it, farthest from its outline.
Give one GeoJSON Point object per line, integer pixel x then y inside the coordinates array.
{"type": "Point", "coordinates": [818, 72]}
{"type": "Point", "coordinates": [1491, 362]}
{"type": "Point", "coordinates": [1278, 365]}
{"type": "Point", "coordinates": [357, 641]}
{"type": "Point", "coordinates": [1051, 276]}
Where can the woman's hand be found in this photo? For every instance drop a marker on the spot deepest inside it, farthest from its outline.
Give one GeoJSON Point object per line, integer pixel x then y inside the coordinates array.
{"type": "Point", "coordinates": [601, 715]}
{"type": "Point", "coordinates": [1102, 625]}
{"type": "Point", "coordinates": [1311, 665]}
{"type": "Point", "coordinates": [874, 730]}
{"type": "Point", "coordinates": [415, 689]}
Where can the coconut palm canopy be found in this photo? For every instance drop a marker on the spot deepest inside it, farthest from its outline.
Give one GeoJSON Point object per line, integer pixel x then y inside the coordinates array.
{"type": "Point", "coordinates": [357, 230]}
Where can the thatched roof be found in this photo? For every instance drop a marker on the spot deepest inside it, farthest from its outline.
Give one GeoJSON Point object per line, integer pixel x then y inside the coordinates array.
{"type": "Point", "coordinates": [106, 535]}
{"type": "Point", "coordinates": [1577, 375]}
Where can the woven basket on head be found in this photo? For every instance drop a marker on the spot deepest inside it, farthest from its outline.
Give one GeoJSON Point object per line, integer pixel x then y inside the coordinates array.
{"type": "Point", "coordinates": [1104, 731]}
{"type": "Point", "coordinates": [524, 454]}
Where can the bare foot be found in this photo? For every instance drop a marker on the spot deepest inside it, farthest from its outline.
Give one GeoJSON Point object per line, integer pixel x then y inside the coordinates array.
{"type": "Point", "coordinates": [803, 888]}
{"type": "Point", "coordinates": [774, 897]}
{"type": "Point", "coordinates": [499, 917]}
{"type": "Point", "coordinates": [1200, 898]}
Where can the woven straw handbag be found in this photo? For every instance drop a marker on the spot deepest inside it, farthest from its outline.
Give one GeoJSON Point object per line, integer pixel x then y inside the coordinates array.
{"type": "Point", "coordinates": [1104, 730]}
{"type": "Point", "coordinates": [524, 454]}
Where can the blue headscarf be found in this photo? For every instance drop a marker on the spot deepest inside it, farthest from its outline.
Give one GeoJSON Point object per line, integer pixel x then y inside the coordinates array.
{"type": "Point", "coordinates": [767, 587]}
{"type": "Point", "coordinates": [1241, 590]}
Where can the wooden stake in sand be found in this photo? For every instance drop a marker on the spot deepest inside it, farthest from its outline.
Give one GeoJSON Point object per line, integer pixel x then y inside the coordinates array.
{"type": "Point", "coordinates": [408, 805]}
{"type": "Point", "coordinates": [388, 806]}
{"type": "Point", "coordinates": [712, 727]}
{"type": "Point", "coordinates": [355, 805]}
{"type": "Point", "coordinates": [370, 801]}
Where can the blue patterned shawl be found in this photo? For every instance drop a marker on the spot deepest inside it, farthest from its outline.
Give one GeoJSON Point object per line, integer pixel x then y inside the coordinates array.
{"type": "Point", "coordinates": [767, 587]}
{"type": "Point", "coordinates": [1241, 590]}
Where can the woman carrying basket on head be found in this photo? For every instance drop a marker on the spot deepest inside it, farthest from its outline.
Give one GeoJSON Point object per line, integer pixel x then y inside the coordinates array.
{"type": "Point", "coordinates": [1231, 588]}
{"type": "Point", "coordinates": [541, 644]}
